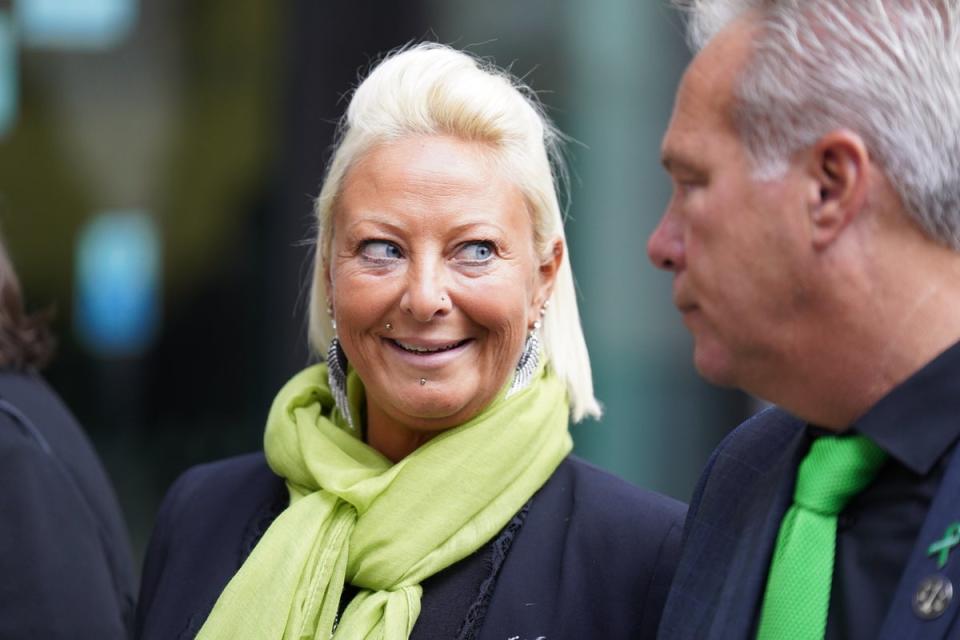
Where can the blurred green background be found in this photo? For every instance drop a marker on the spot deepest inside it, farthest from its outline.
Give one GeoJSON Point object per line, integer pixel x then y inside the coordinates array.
{"type": "Point", "coordinates": [210, 122]}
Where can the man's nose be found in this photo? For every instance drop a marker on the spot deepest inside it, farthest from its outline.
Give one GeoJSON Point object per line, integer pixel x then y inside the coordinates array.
{"type": "Point", "coordinates": [665, 245]}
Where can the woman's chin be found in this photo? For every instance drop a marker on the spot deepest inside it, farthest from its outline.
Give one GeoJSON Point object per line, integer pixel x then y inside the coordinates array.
{"type": "Point", "coordinates": [432, 409]}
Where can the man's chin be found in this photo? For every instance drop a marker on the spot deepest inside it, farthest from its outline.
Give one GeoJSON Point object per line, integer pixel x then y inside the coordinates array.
{"type": "Point", "coordinates": [714, 368]}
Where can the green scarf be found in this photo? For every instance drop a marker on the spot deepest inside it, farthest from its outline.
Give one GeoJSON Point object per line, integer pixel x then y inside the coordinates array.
{"type": "Point", "coordinates": [356, 517]}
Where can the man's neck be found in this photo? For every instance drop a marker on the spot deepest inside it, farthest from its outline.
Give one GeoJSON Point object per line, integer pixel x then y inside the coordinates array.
{"type": "Point", "coordinates": [892, 318]}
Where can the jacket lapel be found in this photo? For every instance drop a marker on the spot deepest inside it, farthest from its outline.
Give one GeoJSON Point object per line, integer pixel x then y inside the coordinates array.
{"type": "Point", "coordinates": [731, 528]}
{"type": "Point", "coordinates": [759, 524]}
{"type": "Point", "coordinates": [902, 623]}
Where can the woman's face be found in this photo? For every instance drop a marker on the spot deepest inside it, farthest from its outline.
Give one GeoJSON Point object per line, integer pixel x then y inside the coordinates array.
{"type": "Point", "coordinates": [434, 280]}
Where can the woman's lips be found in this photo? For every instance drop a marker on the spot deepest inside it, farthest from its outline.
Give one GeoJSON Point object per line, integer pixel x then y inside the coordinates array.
{"type": "Point", "coordinates": [427, 354]}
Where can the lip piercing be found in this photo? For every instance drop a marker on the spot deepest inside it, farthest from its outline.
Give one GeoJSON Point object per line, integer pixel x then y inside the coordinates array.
{"type": "Point", "coordinates": [423, 381]}
{"type": "Point", "coordinates": [388, 326]}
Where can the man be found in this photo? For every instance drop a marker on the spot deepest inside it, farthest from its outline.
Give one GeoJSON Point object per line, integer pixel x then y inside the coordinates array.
{"type": "Point", "coordinates": [65, 562]}
{"type": "Point", "coordinates": [814, 242]}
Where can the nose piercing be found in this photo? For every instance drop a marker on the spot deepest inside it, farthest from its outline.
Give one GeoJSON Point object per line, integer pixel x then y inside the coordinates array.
{"type": "Point", "coordinates": [443, 298]}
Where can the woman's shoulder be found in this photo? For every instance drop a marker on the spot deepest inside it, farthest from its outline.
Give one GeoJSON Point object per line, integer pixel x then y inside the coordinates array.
{"type": "Point", "coordinates": [588, 527]}
{"type": "Point", "coordinates": [608, 521]}
{"type": "Point", "coordinates": [229, 475]}
{"type": "Point", "coordinates": [214, 490]}
{"type": "Point", "coordinates": [599, 495]}
{"type": "Point", "coordinates": [210, 519]}
{"type": "Point", "coordinates": [224, 495]}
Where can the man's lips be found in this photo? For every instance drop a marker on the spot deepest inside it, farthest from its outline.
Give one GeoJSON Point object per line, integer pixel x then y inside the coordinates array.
{"type": "Point", "coordinates": [683, 303]}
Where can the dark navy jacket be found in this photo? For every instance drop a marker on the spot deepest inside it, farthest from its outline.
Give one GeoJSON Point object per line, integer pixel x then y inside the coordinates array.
{"type": "Point", "coordinates": [593, 558]}
{"type": "Point", "coordinates": [735, 517]}
{"type": "Point", "coordinates": [65, 564]}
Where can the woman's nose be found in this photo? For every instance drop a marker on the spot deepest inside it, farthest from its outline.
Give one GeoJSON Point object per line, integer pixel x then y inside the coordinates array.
{"type": "Point", "coordinates": [665, 245]}
{"type": "Point", "coordinates": [426, 295]}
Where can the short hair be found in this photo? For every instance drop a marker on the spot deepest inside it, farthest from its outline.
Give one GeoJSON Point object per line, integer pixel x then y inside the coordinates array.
{"type": "Point", "coordinates": [888, 70]}
{"type": "Point", "coordinates": [25, 340]}
{"type": "Point", "coordinates": [433, 89]}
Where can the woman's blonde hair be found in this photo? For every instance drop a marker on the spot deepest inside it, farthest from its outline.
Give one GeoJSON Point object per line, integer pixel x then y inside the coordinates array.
{"type": "Point", "coordinates": [433, 89]}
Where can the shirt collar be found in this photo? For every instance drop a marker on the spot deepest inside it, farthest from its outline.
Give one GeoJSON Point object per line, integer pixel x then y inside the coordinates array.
{"type": "Point", "coordinates": [919, 420]}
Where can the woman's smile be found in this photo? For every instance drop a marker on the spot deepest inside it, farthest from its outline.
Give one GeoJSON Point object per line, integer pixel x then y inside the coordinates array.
{"type": "Point", "coordinates": [428, 354]}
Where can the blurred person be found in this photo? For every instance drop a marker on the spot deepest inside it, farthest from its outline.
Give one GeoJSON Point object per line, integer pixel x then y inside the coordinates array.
{"type": "Point", "coordinates": [65, 564]}
{"type": "Point", "coordinates": [419, 484]}
{"type": "Point", "coordinates": [813, 239]}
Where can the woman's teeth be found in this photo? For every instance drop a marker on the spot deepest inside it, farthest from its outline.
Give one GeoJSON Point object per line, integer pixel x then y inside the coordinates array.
{"type": "Point", "coordinates": [416, 349]}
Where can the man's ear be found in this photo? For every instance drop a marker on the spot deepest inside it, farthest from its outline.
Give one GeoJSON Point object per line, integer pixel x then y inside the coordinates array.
{"type": "Point", "coordinates": [839, 171]}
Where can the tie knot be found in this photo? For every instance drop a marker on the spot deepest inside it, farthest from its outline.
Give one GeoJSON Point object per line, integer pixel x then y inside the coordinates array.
{"type": "Point", "coordinates": [834, 470]}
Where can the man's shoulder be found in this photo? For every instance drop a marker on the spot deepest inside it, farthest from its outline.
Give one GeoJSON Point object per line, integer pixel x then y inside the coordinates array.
{"type": "Point", "coordinates": [745, 456]}
{"type": "Point", "coordinates": [758, 436]}
{"type": "Point", "coordinates": [746, 479]}
{"type": "Point", "coordinates": [771, 423]}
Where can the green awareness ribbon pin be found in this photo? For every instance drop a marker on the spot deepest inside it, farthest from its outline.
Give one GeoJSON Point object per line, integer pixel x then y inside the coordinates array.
{"type": "Point", "coordinates": [945, 545]}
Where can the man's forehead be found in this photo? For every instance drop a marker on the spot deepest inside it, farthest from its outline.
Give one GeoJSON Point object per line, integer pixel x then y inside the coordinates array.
{"type": "Point", "coordinates": [705, 96]}
{"type": "Point", "coordinates": [718, 64]}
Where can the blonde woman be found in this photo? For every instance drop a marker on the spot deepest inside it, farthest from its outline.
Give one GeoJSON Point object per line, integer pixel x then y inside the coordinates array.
{"type": "Point", "coordinates": [419, 484]}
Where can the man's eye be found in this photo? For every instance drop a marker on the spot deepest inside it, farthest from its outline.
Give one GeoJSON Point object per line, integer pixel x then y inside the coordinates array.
{"type": "Point", "coordinates": [476, 252]}
{"type": "Point", "coordinates": [381, 250]}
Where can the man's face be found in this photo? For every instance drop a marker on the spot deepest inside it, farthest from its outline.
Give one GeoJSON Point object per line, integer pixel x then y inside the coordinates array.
{"type": "Point", "coordinates": [735, 245]}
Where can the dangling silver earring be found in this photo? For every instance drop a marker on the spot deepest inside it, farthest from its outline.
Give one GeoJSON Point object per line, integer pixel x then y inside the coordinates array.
{"type": "Point", "coordinates": [337, 379]}
{"type": "Point", "coordinates": [337, 374]}
{"type": "Point", "coordinates": [529, 359]}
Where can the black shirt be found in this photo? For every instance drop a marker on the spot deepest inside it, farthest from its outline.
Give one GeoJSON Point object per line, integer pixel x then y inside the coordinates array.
{"type": "Point", "coordinates": [918, 425]}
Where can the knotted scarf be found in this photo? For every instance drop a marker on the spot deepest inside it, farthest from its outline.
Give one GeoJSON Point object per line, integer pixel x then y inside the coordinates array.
{"type": "Point", "coordinates": [356, 517]}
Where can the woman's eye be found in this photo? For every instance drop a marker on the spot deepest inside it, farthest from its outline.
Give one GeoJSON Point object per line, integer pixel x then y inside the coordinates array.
{"type": "Point", "coordinates": [476, 252]}
{"type": "Point", "coordinates": [381, 250]}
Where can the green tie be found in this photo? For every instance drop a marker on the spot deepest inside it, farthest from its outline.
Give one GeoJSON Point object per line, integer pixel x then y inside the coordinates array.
{"type": "Point", "coordinates": [798, 587]}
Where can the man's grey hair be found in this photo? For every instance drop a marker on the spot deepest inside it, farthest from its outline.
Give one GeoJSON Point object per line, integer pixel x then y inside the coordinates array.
{"type": "Point", "coordinates": [888, 70]}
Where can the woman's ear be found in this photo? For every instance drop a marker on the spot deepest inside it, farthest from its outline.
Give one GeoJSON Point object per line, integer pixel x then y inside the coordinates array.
{"type": "Point", "coordinates": [838, 168]}
{"type": "Point", "coordinates": [324, 264]}
{"type": "Point", "coordinates": [546, 276]}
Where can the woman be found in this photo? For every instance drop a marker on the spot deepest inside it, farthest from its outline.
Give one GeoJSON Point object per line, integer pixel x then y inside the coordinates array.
{"type": "Point", "coordinates": [65, 559]}
{"type": "Point", "coordinates": [423, 486]}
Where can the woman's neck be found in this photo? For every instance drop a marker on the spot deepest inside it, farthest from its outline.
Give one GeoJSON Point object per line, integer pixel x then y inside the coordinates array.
{"type": "Point", "coordinates": [391, 438]}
